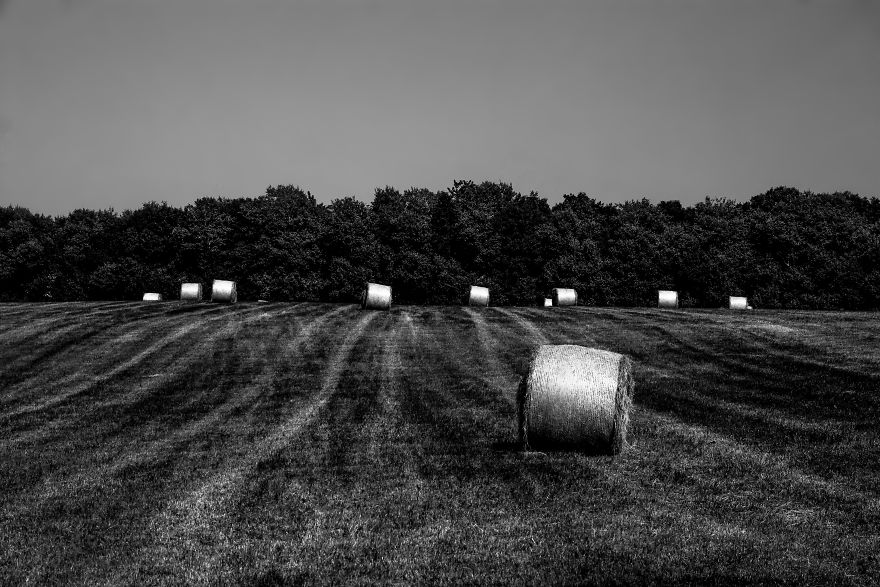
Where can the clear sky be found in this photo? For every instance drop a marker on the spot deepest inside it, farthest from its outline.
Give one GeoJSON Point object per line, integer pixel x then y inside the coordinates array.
{"type": "Point", "coordinates": [116, 102]}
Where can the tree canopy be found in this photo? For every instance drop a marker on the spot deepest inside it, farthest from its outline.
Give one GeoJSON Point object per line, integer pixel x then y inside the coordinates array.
{"type": "Point", "coordinates": [784, 248]}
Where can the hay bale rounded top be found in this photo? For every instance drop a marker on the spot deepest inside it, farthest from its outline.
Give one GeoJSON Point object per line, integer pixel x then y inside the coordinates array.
{"type": "Point", "coordinates": [738, 303]}
{"type": "Point", "coordinates": [479, 296]}
{"type": "Point", "coordinates": [376, 297]}
{"type": "Point", "coordinates": [152, 297]}
{"type": "Point", "coordinates": [548, 302]}
{"type": "Point", "coordinates": [563, 296]}
{"type": "Point", "coordinates": [191, 291]}
{"type": "Point", "coordinates": [667, 299]}
{"type": "Point", "coordinates": [224, 291]}
{"type": "Point", "coordinates": [575, 397]}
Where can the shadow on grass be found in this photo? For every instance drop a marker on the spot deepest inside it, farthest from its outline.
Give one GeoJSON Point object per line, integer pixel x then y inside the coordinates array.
{"type": "Point", "coordinates": [507, 446]}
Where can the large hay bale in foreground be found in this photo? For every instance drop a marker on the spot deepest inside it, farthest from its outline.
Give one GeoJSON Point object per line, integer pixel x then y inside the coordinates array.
{"type": "Point", "coordinates": [563, 296]}
{"type": "Point", "coordinates": [738, 303]}
{"type": "Point", "coordinates": [574, 397]}
{"type": "Point", "coordinates": [667, 299]}
{"type": "Point", "coordinates": [548, 302]}
{"type": "Point", "coordinates": [191, 292]}
{"type": "Point", "coordinates": [152, 297]}
{"type": "Point", "coordinates": [479, 296]}
{"type": "Point", "coordinates": [224, 291]}
{"type": "Point", "coordinates": [376, 297]}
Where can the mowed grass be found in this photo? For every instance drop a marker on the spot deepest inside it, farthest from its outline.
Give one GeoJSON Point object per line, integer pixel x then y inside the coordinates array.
{"type": "Point", "coordinates": [309, 443]}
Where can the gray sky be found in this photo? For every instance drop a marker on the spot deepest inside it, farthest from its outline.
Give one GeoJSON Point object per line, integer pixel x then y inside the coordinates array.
{"type": "Point", "coordinates": [117, 102]}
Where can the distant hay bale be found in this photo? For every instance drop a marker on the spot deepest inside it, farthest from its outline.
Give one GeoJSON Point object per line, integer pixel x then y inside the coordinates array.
{"type": "Point", "coordinates": [564, 296]}
{"type": "Point", "coordinates": [738, 303]}
{"type": "Point", "coordinates": [376, 297]}
{"type": "Point", "coordinates": [191, 292]}
{"type": "Point", "coordinates": [479, 296]}
{"type": "Point", "coordinates": [749, 308]}
{"type": "Point", "coordinates": [574, 397]}
{"type": "Point", "coordinates": [224, 291]}
{"type": "Point", "coordinates": [152, 297]}
{"type": "Point", "coordinates": [667, 299]}
{"type": "Point", "coordinates": [548, 302]}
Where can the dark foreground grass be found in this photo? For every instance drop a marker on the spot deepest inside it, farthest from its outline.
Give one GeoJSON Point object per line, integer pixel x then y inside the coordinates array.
{"type": "Point", "coordinates": [285, 444]}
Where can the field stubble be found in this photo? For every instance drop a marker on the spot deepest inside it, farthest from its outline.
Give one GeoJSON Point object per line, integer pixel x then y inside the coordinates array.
{"type": "Point", "coordinates": [154, 443]}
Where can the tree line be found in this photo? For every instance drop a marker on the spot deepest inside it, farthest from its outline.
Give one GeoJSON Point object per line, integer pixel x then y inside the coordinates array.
{"type": "Point", "coordinates": [782, 249]}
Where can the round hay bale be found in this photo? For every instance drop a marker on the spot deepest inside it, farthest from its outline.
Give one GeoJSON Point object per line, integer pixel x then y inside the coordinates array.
{"type": "Point", "coordinates": [191, 292]}
{"type": "Point", "coordinates": [376, 297]}
{"type": "Point", "coordinates": [479, 296]}
{"type": "Point", "coordinates": [749, 308]}
{"type": "Point", "coordinates": [738, 303]}
{"type": "Point", "coordinates": [548, 302]}
{"type": "Point", "coordinates": [564, 296]}
{"type": "Point", "coordinates": [152, 297]}
{"type": "Point", "coordinates": [224, 291]}
{"type": "Point", "coordinates": [667, 299]}
{"type": "Point", "coordinates": [574, 397]}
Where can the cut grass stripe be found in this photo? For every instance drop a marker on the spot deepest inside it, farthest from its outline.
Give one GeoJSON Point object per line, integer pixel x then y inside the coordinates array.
{"type": "Point", "coordinates": [100, 378]}
{"type": "Point", "coordinates": [90, 345]}
{"type": "Point", "coordinates": [533, 331]}
{"type": "Point", "coordinates": [114, 458]}
{"type": "Point", "coordinates": [95, 394]}
{"type": "Point", "coordinates": [187, 520]}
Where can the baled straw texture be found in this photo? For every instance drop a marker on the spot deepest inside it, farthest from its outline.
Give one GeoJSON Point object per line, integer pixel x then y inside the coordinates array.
{"type": "Point", "coordinates": [224, 291]}
{"type": "Point", "coordinates": [667, 299]}
{"type": "Point", "coordinates": [152, 297]}
{"type": "Point", "coordinates": [737, 303]}
{"type": "Point", "coordinates": [376, 297]}
{"type": "Point", "coordinates": [191, 291]}
{"type": "Point", "coordinates": [548, 302]}
{"type": "Point", "coordinates": [479, 296]}
{"type": "Point", "coordinates": [574, 397]}
{"type": "Point", "coordinates": [564, 296]}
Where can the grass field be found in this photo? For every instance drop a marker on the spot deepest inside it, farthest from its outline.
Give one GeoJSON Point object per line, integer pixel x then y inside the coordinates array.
{"type": "Point", "coordinates": [283, 443]}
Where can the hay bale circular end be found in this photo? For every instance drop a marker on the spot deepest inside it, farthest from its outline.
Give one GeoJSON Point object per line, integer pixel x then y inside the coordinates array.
{"type": "Point", "coordinates": [152, 297]}
{"type": "Point", "coordinates": [479, 296]}
{"type": "Point", "coordinates": [376, 297]}
{"type": "Point", "coordinates": [667, 299]}
{"type": "Point", "coordinates": [191, 292]}
{"type": "Point", "coordinates": [574, 397]}
{"type": "Point", "coordinates": [563, 296]}
{"type": "Point", "coordinates": [738, 303]}
{"type": "Point", "coordinates": [224, 291]}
